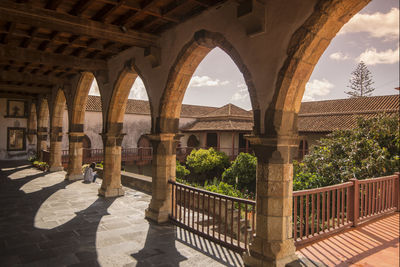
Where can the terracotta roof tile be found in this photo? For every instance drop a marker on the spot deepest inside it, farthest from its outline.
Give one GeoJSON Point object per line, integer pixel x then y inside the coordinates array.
{"type": "Point", "coordinates": [220, 125]}
{"type": "Point", "coordinates": [228, 110]}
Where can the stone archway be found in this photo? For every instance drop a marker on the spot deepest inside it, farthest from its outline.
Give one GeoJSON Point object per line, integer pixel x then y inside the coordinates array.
{"type": "Point", "coordinates": [112, 131]}
{"type": "Point", "coordinates": [76, 125]}
{"type": "Point", "coordinates": [43, 127]}
{"type": "Point", "coordinates": [56, 131]}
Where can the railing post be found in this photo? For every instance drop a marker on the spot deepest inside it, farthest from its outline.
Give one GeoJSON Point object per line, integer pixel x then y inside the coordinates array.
{"type": "Point", "coordinates": [354, 202]}
{"type": "Point", "coordinates": [397, 191]}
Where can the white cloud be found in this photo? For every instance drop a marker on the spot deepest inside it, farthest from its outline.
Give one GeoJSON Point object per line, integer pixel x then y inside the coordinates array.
{"type": "Point", "coordinates": [317, 88]}
{"type": "Point", "coordinates": [339, 56]}
{"type": "Point", "coordinates": [138, 91]}
{"type": "Point", "coordinates": [94, 88]}
{"type": "Point", "coordinates": [200, 81]}
{"type": "Point", "coordinates": [373, 57]}
{"type": "Point", "coordinates": [241, 94]}
{"type": "Point", "coordinates": [376, 25]}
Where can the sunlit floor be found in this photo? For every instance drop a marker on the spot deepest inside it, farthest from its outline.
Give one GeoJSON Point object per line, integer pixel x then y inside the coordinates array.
{"type": "Point", "coordinates": [46, 221]}
{"type": "Point", "coordinates": [372, 244]}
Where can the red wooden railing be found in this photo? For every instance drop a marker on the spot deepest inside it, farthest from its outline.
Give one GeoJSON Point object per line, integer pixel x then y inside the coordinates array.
{"type": "Point", "coordinates": [316, 212]}
{"type": "Point", "coordinates": [323, 211]}
{"type": "Point", "coordinates": [223, 219]}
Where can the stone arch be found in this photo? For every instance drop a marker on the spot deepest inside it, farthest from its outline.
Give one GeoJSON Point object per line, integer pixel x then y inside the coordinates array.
{"type": "Point", "coordinates": [43, 116]}
{"type": "Point", "coordinates": [119, 99]}
{"type": "Point", "coordinates": [192, 141]}
{"type": "Point", "coordinates": [32, 123]}
{"type": "Point", "coordinates": [305, 48]}
{"type": "Point", "coordinates": [181, 72]}
{"type": "Point", "coordinates": [58, 111]}
{"type": "Point", "coordinates": [79, 102]}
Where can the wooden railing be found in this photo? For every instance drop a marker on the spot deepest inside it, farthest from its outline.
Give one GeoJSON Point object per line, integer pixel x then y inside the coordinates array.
{"type": "Point", "coordinates": [324, 211]}
{"type": "Point", "coordinates": [223, 219]}
{"type": "Point", "coordinates": [316, 212]}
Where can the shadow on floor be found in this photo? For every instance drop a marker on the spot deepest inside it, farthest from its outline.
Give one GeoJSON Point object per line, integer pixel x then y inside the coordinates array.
{"type": "Point", "coordinates": [22, 244]}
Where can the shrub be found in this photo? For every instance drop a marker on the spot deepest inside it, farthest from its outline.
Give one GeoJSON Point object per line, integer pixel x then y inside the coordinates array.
{"type": "Point", "coordinates": [223, 188]}
{"type": "Point", "coordinates": [370, 150]}
{"type": "Point", "coordinates": [242, 171]}
{"type": "Point", "coordinates": [181, 171]}
{"type": "Point", "coordinates": [206, 164]}
{"type": "Point", "coordinates": [32, 159]}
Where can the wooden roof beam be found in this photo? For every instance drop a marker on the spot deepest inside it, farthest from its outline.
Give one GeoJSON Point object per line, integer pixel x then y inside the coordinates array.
{"type": "Point", "coordinates": [80, 7]}
{"type": "Point", "coordinates": [53, 4]}
{"type": "Point", "coordinates": [34, 56]}
{"type": "Point", "coordinates": [14, 76]}
{"type": "Point", "coordinates": [24, 88]}
{"type": "Point", "coordinates": [37, 17]}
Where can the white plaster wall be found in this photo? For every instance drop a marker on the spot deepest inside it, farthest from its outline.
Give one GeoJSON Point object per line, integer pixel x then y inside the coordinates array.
{"type": "Point", "coordinates": [11, 122]}
{"type": "Point", "coordinates": [134, 127]}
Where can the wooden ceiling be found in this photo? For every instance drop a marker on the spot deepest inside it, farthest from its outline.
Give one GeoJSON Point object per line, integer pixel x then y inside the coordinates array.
{"type": "Point", "coordinates": [43, 42]}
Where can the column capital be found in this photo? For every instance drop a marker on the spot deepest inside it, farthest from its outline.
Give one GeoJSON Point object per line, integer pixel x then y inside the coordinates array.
{"type": "Point", "coordinates": [164, 137]}
{"type": "Point", "coordinates": [112, 138]}
{"type": "Point", "coordinates": [75, 137]}
{"type": "Point", "coordinates": [276, 140]}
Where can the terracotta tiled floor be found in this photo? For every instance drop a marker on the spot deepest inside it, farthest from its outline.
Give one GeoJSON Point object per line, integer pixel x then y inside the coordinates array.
{"type": "Point", "coordinates": [373, 244]}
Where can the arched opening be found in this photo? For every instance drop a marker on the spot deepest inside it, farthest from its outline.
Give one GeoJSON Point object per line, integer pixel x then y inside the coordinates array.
{"type": "Point", "coordinates": [78, 123]}
{"type": "Point", "coordinates": [32, 130]}
{"type": "Point", "coordinates": [56, 131]}
{"type": "Point", "coordinates": [42, 130]}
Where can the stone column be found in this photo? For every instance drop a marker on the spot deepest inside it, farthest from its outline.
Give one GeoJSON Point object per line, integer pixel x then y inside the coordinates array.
{"type": "Point", "coordinates": [111, 185]}
{"type": "Point", "coordinates": [74, 170]}
{"type": "Point", "coordinates": [55, 149]}
{"type": "Point", "coordinates": [41, 142]}
{"type": "Point", "coordinates": [273, 243]}
{"type": "Point", "coordinates": [164, 165]}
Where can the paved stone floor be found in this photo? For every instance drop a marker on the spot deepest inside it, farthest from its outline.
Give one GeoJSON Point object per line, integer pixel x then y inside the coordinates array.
{"type": "Point", "coordinates": [47, 221]}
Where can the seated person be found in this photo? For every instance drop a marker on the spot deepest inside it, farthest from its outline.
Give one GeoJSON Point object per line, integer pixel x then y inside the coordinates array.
{"type": "Point", "coordinates": [90, 174]}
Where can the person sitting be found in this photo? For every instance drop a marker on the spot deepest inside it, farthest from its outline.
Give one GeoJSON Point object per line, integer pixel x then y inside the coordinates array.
{"type": "Point", "coordinates": [90, 174]}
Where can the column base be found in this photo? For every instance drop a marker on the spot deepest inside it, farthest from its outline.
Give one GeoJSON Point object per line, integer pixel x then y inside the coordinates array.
{"type": "Point", "coordinates": [111, 192]}
{"type": "Point", "coordinates": [56, 168]}
{"type": "Point", "coordinates": [157, 216]}
{"type": "Point", "coordinates": [73, 177]}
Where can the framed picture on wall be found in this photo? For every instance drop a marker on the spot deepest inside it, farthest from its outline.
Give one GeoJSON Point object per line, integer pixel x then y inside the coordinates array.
{"type": "Point", "coordinates": [16, 109]}
{"type": "Point", "coordinates": [16, 139]}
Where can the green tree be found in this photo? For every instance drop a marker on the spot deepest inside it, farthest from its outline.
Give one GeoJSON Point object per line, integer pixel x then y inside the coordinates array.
{"type": "Point", "coordinates": [242, 172]}
{"type": "Point", "coordinates": [181, 171]}
{"type": "Point", "coordinates": [206, 164]}
{"type": "Point", "coordinates": [360, 82]}
{"type": "Point", "coordinates": [370, 150]}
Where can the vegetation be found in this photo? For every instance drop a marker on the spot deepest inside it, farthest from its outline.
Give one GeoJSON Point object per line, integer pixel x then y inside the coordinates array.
{"type": "Point", "coordinates": [181, 171]}
{"type": "Point", "coordinates": [242, 172]}
{"type": "Point", "coordinates": [360, 82]}
{"type": "Point", "coordinates": [206, 164]}
{"type": "Point", "coordinates": [370, 150]}
{"type": "Point", "coordinates": [41, 165]}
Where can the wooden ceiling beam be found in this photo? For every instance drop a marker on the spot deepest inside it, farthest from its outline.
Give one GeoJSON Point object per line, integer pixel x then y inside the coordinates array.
{"type": "Point", "coordinates": [29, 55]}
{"type": "Point", "coordinates": [53, 4]}
{"type": "Point", "coordinates": [80, 7]}
{"type": "Point", "coordinates": [24, 88]}
{"type": "Point", "coordinates": [50, 19]}
{"type": "Point", "coordinates": [14, 76]}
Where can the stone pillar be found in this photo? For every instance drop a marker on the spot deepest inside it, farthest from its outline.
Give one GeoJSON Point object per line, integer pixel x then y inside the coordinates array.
{"type": "Point", "coordinates": [164, 165]}
{"type": "Point", "coordinates": [41, 142]}
{"type": "Point", "coordinates": [74, 170]}
{"type": "Point", "coordinates": [111, 185]}
{"type": "Point", "coordinates": [55, 149]}
{"type": "Point", "coordinates": [273, 243]}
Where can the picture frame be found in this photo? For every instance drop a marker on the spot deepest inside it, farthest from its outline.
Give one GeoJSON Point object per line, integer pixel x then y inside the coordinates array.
{"type": "Point", "coordinates": [16, 109]}
{"type": "Point", "coordinates": [16, 139]}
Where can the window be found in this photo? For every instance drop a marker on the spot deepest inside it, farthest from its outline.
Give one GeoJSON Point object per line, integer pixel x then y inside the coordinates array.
{"type": "Point", "coordinates": [303, 149]}
{"type": "Point", "coordinates": [15, 139]}
{"type": "Point", "coordinates": [212, 140]}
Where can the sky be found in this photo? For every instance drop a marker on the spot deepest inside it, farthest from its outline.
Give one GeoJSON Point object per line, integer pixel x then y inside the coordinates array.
{"type": "Point", "coordinates": [372, 36]}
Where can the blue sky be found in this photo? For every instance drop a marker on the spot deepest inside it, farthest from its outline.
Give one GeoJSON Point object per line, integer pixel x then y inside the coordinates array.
{"type": "Point", "coordinates": [372, 36]}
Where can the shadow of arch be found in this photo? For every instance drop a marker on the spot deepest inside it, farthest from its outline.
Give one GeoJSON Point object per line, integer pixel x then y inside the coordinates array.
{"type": "Point", "coordinates": [182, 70]}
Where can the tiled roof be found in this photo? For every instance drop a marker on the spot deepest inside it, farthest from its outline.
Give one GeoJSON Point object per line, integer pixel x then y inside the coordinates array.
{"type": "Point", "coordinates": [342, 114]}
{"type": "Point", "coordinates": [142, 107]}
{"type": "Point", "coordinates": [219, 125]}
{"type": "Point", "coordinates": [316, 116]}
{"type": "Point", "coordinates": [228, 110]}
